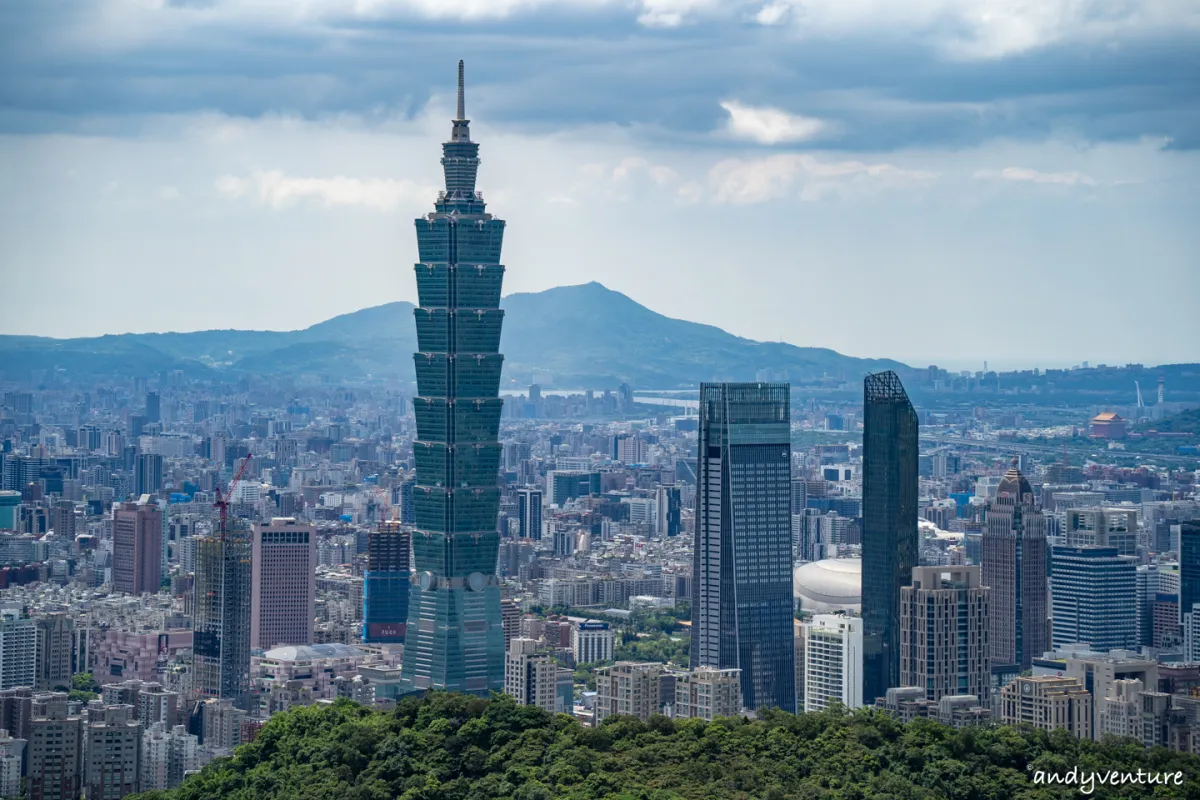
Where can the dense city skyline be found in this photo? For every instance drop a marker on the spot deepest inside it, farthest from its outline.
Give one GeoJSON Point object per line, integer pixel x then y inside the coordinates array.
{"type": "Point", "coordinates": [577, 547]}
{"type": "Point", "coordinates": [918, 152]}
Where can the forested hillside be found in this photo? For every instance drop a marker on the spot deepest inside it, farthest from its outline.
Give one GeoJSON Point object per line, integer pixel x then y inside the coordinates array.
{"type": "Point", "coordinates": [454, 747]}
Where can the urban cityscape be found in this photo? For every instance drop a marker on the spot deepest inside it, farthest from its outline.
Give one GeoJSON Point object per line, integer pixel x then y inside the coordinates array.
{"type": "Point", "coordinates": [206, 538]}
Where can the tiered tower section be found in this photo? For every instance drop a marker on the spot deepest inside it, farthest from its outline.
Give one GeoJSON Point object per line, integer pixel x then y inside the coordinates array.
{"type": "Point", "coordinates": [455, 639]}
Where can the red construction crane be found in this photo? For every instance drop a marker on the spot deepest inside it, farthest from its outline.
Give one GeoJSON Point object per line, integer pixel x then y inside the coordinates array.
{"type": "Point", "coordinates": [382, 496]}
{"type": "Point", "coordinates": [222, 503]}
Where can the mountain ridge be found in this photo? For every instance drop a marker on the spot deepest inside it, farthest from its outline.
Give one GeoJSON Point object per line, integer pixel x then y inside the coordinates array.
{"type": "Point", "coordinates": [581, 336]}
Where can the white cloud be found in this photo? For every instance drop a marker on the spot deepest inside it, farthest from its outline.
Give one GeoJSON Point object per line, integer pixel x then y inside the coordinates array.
{"type": "Point", "coordinates": [444, 9]}
{"type": "Point", "coordinates": [673, 13]}
{"type": "Point", "coordinates": [973, 29]}
{"type": "Point", "coordinates": [68, 228]}
{"type": "Point", "coordinates": [631, 166]}
{"type": "Point", "coordinates": [1025, 175]}
{"type": "Point", "coordinates": [739, 182]}
{"type": "Point", "coordinates": [772, 13]}
{"type": "Point", "coordinates": [981, 29]}
{"type": "Point", "coordinates": [770, 125]}
{"type": "Point", "coordinates": [627, 179]}
{"type": "Point", "coordinates": [277, 190]}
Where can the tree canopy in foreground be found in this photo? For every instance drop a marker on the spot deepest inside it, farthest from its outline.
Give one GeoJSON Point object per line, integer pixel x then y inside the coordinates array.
{"type": "Point", "coordinates": [451, 746]}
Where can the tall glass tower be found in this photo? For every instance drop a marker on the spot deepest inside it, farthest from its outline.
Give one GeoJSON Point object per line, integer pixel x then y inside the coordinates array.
{"type": "Point", "coordinates": [742, 560]}
{"type": "Point", "coordinates": [889, 534]}
{"type": "Point", "coordinates": [454, 639]}
{"type": "Point", "coordinates": [1189, 566]}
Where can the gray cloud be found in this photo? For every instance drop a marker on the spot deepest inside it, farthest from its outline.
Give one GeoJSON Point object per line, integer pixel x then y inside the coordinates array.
{"type": "Point", "coordinates": [281, 148]}
{"type": "Point", "coordinates": [543, 68]}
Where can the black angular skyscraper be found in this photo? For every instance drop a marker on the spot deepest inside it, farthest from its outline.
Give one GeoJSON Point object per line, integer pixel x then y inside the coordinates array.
{"type": "Point", "coordinates": [889, 536]}
{"type": "Point", "coordinates": [455, 639]}
{"type": "Point", "coordinates": [742, 560]}
{"type": "Point", "coordinates": [1189, 566]}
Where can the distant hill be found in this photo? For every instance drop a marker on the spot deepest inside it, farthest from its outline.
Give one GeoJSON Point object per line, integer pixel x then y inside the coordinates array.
{"type": "Point", "coordinates": [584, 336]}
{"type": "Point", "coordinates": [1187, 421]}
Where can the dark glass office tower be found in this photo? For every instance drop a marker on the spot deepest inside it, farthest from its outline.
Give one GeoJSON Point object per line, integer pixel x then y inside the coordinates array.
{"type": "Point", "coordinates": [386, 584]}
{"type": "Point", "coordinates": [455, 640]}
{"type": "Point", "coordinates": [742, 563]}
{"type": "Point", "coordinates": [889, 528]}
{"type": "Point", "coordinates": [1189, 566]}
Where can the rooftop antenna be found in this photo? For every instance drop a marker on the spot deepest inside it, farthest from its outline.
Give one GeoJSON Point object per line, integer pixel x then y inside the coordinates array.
{"type": "Point", "coordinates": [461, 131]}
{"type": "Point", "coordinates": [462, 103]}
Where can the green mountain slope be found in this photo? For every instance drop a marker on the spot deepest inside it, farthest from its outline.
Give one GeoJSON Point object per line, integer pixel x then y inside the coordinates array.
{"type": "Point", "coordinates": [1186, 421]}
{"type": "Point", "coordinates": [454, 747]}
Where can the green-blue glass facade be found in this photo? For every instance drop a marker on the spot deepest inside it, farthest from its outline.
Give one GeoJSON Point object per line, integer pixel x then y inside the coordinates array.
{"type": "Point", "coordinates": [742, 556]}
{"type": "Point", "coordinates": [890, 543]}
{"type": "Point", "coordinates": [455, 638]}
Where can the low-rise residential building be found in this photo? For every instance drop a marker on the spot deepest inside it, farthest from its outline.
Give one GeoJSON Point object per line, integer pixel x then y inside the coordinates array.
{"type": "Point", "coordinates": [631, 688]}
{"type": "Point", "coordinates": [707, 693]}
{"type": "Point", "coordinates": [1046, 702]}
{"type": "Point", "coordinates": [529, 676]}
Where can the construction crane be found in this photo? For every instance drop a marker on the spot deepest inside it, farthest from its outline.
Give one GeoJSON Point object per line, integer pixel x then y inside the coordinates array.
{"type": "Point", "coordinates": [381, 495]}
{"type": "Point", "coordinates": [222, 503]}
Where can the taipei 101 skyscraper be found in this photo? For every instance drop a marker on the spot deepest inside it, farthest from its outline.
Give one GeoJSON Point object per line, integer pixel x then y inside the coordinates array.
{"type": "Point", "coordinates": [455, 639]}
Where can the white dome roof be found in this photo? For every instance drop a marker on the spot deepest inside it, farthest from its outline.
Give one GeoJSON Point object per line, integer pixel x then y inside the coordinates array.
{"type": "Point", "coordinates": [834, 584]}
{"type": "Point", "coordinates": [313, 652]}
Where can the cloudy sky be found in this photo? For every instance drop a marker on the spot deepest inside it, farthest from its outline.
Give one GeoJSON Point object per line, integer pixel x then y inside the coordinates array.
{"type": "Point", "coordinates": [939, 181]}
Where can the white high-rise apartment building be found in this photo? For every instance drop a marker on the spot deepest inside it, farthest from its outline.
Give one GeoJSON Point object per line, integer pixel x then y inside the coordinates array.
{"type": "Point", "coordinates": [630, 449]}
{"type": "Point", "coordinates": [156, 750]}
{"type": "Point", "coordinates": [833, 662]}
{"type": "Point", "coordinates": [18, 649]}
{"type": "Point", "coordinates": [11, 751]}
{"type": "Point", "coordinates": [167, 756]}
{"type": "Point", "coordinates": [592, 641]}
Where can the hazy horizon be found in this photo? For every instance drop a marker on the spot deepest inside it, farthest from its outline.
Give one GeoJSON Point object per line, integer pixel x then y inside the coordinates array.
{"type": "Point", "coordinates": [954, 365]}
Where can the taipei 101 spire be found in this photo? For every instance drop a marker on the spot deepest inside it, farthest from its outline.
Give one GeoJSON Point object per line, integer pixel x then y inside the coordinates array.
{"type": "Point", "coordinates": [455, 638]}
{"type": "Point", "coordinates": [462, 125]}
{"type": "Point", "coordinates": [462, 105]}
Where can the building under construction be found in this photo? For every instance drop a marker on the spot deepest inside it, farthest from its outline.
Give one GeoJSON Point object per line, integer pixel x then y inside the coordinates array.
{"type": "Point", "coordinates": [386, 583]}
{"type": "Point", "coordinates": [221, 639]}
